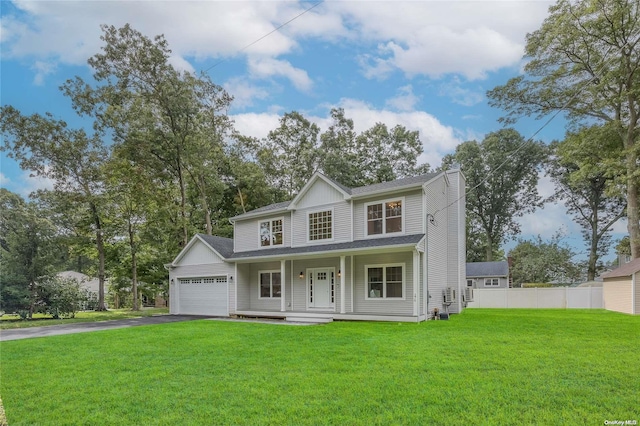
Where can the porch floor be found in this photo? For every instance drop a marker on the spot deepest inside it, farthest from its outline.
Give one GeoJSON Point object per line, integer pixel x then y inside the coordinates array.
{"type": "Point", "coordinates": [327, 316]}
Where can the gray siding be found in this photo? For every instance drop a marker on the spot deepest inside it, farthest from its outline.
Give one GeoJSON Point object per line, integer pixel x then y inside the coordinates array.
{"type": "Point", "coordinates": [246, 233]}
{"type": "Point", "coordinates": [412, 211]}
{"type": "Point", "coordinates": [456, 261]}
{"type": "Point", "coordinates": [300, 285]}
{"type": "Point", "coordinates": [320, 194]}
{"type": "Point", "coordinates": [341, 224]}
{"type": "Point", "coordinates": [383, 307]}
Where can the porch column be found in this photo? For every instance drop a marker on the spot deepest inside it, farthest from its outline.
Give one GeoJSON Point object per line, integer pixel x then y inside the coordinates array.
{"type": "Point", "coordinates": [416, 280]}
{"type": "Point", "coordinates": [283, 286]}
{"type": "Point", "coordinates": [342, 274]}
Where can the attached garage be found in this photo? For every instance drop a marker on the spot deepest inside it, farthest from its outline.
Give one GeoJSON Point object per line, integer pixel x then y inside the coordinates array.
{"type": "Point", "coordinates": [204, 296]}
{"type": "Point", "coordinates": [621, 288]}
{"type": "Point", "coordinates": [200, 280]}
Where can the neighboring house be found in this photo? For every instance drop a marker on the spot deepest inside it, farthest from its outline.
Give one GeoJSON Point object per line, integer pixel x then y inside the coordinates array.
{"type": "Point", "coordinates": [488, 275]}
{"type": "Point", "coordinates": [389, 251]}
{"type": "Point", "coordinates": [91, 286]}
{"type": "Point", "coordinates": [621, 288]}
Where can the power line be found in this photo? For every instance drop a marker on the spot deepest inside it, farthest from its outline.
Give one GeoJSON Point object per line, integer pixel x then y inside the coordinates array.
{"type": "Point", "coordinates": [268, 34]}
{"type": "Point", "coordinates": [594, 79]}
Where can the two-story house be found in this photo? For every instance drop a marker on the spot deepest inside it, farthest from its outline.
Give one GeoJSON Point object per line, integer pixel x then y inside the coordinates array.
{"type": "Point", "coordinates": [392, 251]}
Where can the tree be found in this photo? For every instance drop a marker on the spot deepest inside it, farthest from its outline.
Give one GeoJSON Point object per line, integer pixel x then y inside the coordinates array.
{"type": "Point", "coordinates": [581, 182]}
{"type": "Point", "coordinates": [72, 159]}
{"type": "Point", "coordinates": [385, 155]}
{"type": "Point", "coordinates": [27, 253]}
{"type": "Point", "coordinates": [290, 153]}
{"type": "Point", "coordinates": [585, 61]}
{"type": "Point", "coordinates": [339, 153]}
{"type": "Point", "coordinates": [538, 261]}
{"type": "Point", "coordinates": [502, 175]}
{"type": "Point", "coordinates": [175, 123]}
{"type": "Point", "coordinates": [60, 297]}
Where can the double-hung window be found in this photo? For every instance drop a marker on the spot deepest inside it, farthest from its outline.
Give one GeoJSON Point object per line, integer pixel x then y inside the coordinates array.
{"type": "Point", "coordinates": [384, 217]}
{"type": "Point", "coordinates": [491, 282]}
{"type": "Point", "coordinates": [271, 233]}
{"type": "Point", "coordinates": [321, 225]}
{"type": "Point", "coordinates": [385, 281]}
{"type": "Point", "coordinates": [270, 284]}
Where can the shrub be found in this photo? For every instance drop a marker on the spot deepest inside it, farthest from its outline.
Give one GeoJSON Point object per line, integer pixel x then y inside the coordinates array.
{"type": "Point", "coordinates": [61, 297]}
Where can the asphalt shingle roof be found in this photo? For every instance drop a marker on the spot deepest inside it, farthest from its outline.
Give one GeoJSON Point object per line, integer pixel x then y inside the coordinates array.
{"type": "Point", "coordinates": [362, 190]}
{"type": "Point", "coordinates": [222, 245]}
{"type": "Point", "coordinates": [359, 244]}
{"type": "Point", "coordinates": [487, 269]}
{"type": "Point", "coordinates": [625, 270]}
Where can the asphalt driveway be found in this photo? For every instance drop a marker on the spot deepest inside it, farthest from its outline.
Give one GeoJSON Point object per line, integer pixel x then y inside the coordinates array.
{"type": "Point", "coordinates": [84, 327]}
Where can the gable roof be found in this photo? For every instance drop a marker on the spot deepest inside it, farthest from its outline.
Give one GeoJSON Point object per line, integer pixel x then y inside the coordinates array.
{"type": "Point", "coordinates": [488, 269]}
{"type": "Point", "coordinates": [388, 242]}
{"type": "Point", "coordinates": [222, 247]}
{"type": "Point", "coordinates": [625, 270]}
{"type": "Point", "coordinates": [362, 191]}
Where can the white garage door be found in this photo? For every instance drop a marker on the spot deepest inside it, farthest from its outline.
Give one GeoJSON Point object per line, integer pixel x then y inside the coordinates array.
{"type": "Point", "coordinates": [204, 296]}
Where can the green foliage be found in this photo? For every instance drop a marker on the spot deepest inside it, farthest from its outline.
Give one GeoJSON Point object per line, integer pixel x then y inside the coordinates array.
{"type": "Point", "coordinates": [538, 261]}
{"type": "Point", "coordinates": [60, 297]}
{"type": "Point", "coordinates": [502, 177]}
{"type": "Point", "coordinates": [623, 246]}
{"type": "Point", "coordinates": [340, 373]}
{"type": "Point", "coordinates": [591, 193]}
{"type": "Point", "coordinates": [584, 61]}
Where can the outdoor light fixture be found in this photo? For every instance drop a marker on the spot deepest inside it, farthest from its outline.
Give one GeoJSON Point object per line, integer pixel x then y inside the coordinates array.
{"type": "Point", "coordinates": [339, 273]}
{"type": "Point", "coordinates": [230, 278]}
{"type": "Point", "coordinates": [301, 275]}
{"type": "Point", "coordinates": [172, 281]}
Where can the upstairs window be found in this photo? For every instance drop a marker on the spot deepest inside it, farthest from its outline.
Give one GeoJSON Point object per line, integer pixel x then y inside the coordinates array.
{"type": "Point", "coordinates": [321, 225]}
{"type": "Point", "coordinates": [384, 217]}
{"type": "Point", "coordinates": [271, 233]}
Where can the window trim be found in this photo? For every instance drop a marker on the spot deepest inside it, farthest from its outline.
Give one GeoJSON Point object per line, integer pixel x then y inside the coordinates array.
{"type": "Point", "coordinates": [491, 280]}
{"type": "Point", "coordinates": [333, 231]}
{"type": "Point", "coordinates": [384, 281]}
{"type": "Point", "coordinates": [384, 217]}
{"type": "Point", "coordinates": [270, 272]}
{"type": "Point", "coordinates": [271, 220]}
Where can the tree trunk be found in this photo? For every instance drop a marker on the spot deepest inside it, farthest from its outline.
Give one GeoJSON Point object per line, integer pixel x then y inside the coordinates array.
{"type": "Point", "coordinates": [593, 254]}
{"type": "Point", "coordinates": [489, 252]}
{"type": "Point", "coordinates": [32, 301]}
{"type": "Point", "coordinates": [100, 247]}
{"type": "Point", "coordinates": [134, 269]}
{"type": "Point", "coordinates": [633, 217]}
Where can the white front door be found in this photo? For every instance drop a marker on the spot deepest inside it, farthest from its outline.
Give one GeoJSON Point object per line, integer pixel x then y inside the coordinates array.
{"type": "Point", "coordinates": [321, 288]}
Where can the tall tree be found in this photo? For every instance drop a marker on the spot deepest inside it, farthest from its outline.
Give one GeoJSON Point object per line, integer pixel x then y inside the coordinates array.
{"type": "Point", "coordinates": [174, 121]}
{"type": "Point", "coordinates": [339, 154]}
{"type": "Point", "coordinates": [27, 252]}
{"type": "Point", "coordinates": [581, 182]}
{"type": "Point", "coordinates": [385, 155]}
{"type": "Point", "coordinates": [69, 157]}
{"type": "Point", "coordinates": [502, 175]}
{"type": "Point", "coordinates": [290, 153]}
{"type": "Point", "coordinates": [585, 61]}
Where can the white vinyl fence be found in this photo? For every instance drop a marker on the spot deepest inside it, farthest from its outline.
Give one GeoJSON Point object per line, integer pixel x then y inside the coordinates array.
{"type": "Point", "coordinates": [541, 298]}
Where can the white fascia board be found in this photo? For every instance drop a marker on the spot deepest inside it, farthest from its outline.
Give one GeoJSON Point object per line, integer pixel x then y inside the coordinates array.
{"type": "Point", "coordinates": [336, 253]}
{"type": "Point", "coordinates": [251, 215]}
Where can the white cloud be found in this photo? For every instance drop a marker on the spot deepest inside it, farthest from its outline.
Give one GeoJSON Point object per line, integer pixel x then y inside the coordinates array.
{"type": "Point", "coordinates": [269, 67]}
{"type": "Point", "coordinates": [42, 69]}
{"type": "Point", "coordinates": [461, 95]}
{"type": "Point", "coordinates": [244, 93]}
{"type": "Point", "coordinates": [4, 180]}
{"type": "Point", "coordinates": [256, 125]}
{"type": "Point", "coordinates": [181, 64]}
{"type": "Point", "coordinates": [405, 101]}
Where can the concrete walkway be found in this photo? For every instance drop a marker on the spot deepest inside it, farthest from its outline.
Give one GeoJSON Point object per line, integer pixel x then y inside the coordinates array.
{"type": "Point", "coordinates": [84, 327]}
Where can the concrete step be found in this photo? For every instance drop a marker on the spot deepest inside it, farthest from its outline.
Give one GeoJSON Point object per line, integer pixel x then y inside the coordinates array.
{"type": "Point", "coordinates": [315, 320]}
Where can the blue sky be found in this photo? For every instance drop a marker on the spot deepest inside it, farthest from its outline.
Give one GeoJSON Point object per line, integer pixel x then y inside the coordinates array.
{"type": "Point", "coordinates": [423, 64]}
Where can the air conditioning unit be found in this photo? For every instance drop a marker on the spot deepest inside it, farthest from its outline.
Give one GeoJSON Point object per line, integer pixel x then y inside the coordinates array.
{"type": "Point", "coordinates": [468, 294]}
{"type": "Point", "coordinates": [449, 295]}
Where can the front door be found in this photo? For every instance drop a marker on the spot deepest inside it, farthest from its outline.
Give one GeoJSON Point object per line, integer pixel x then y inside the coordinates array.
{"type": "Point", "coordinates": [321, 288]}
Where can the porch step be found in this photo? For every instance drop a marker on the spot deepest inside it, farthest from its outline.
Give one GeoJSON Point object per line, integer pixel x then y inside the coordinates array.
{"type": "Point", "coordinates": [315, 320]}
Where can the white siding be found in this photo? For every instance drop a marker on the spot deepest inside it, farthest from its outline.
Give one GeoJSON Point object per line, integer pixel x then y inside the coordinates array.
{"type": "Point", "coordinates": [637, 295]}
{"type": "Point", "coordinates": [437, 242]}
{"type": "Point", "coordinates": [341, 217]}
{"type": "Point", "coordinates": [412, 211]}
{"type": "Point", "coordinates": [320, 194]}
{"type": "Point", "coordinates": [198, 254]}
{"type": "Point", "coordinates": [247, 237]}
{"type": "Point", "coordinates": [388, 306]}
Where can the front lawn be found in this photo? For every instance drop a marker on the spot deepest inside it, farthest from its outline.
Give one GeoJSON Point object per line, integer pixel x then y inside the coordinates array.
{"type": "Point", "coordinates": [480, 367]}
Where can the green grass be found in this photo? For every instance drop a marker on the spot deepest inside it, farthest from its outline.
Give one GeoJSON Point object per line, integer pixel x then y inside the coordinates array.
{"type": "Point", "coordinates": [11, 321]}
{"type": "Point", "coordinates": [481, 367]}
